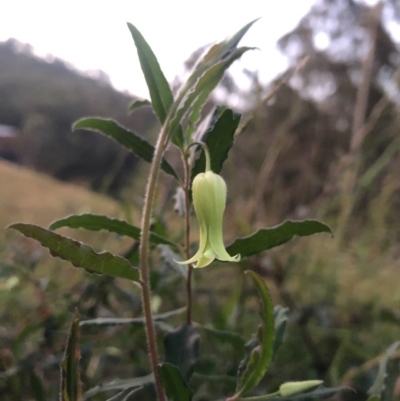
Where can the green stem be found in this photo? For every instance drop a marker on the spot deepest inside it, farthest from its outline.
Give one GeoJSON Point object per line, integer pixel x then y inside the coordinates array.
{"type": "Point", "coordinates": [208, 161]}
{"type": "Point", "coordinates": [187, 239]}
{"type": "Point", "coordinates": [144, 259]}
{"type": "Point", "coordinates": [206, 152]}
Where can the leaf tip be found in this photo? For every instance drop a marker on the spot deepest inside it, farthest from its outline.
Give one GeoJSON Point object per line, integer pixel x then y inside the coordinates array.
{"type": "Point", "coordinates": [14, 226]}
{"type": "Point", "coordinates": [77, 124]}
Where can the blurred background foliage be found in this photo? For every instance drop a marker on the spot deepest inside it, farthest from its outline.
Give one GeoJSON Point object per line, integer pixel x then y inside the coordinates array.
{"type": "Point", "coordinates": [325, 145]}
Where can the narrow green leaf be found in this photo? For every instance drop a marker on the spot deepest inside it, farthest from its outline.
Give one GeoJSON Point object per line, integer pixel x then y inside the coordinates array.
{"type": "Point", "coordinates": [71, 386]}
{"type": "Point", "coordinates": [182, 349]}
{"type": "Point", "coordinates": [137, 104]}
{"type": "Point", "coordinates": [160, 92]}
{"type": "Point", "coordinates": [112, 321]}
{"type": "Point", "coordinates": [229, 45]}
{"type": "Point", "coordinates": [219, 141]}
{"type": "Point", "coordinates": [202, 89]}
{"type": "Point", "coordinates": [79, 254]}
{"type": "Point", "coordinates": [267, 238]}
{"type": "Point", "coordinates": [219, 51]}
{"type": "Point", "coordinates": [261, 355]}
{"type": "Point", "coordinates": [280, 319]}
{"type": "Point", "coordinates": [94, 222]}
{"type": "Point", "coordinates": [130, 140]}
{"type": "Point", "coordinates": [211, 79]}
{"type": "Point", "coordinates": [320, 393]}
{"type": "Point", "coordinates": [174, 384]}
{"type": "Point", "coordinates": [118, 384]}
{"type": "Point", "coordinates": [378, 387]}
{"type": "Point", "coordinates": [234, 40]}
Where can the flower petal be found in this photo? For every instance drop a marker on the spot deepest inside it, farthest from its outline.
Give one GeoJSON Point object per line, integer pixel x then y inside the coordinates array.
{"type": "Point", "coordinates": [215, 238]}
{"type": "Point", "coordinates": [204, 261]}
{"type": "Point", "coordinates": [209, 198]}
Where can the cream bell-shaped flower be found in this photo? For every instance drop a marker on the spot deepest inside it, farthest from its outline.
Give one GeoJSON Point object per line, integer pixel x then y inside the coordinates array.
{"type": "Point", "coordinates": [209, 198]}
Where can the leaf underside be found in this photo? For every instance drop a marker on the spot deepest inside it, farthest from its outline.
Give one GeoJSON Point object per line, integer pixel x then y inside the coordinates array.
{"type": "Point", "coordinates": [204, 86]}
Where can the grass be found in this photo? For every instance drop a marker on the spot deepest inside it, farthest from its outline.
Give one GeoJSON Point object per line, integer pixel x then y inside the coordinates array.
{"type": "Point", "coordinates": [29, 196]}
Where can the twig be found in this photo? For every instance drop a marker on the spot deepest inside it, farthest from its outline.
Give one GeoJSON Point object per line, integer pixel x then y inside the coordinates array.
{"type": "Point", "coordinates": [359, 131]}
{"type": "Point", "coordinates": [360, 109]}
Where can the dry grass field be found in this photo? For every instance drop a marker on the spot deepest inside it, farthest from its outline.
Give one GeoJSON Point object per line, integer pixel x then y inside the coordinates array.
{"type": "Point", "coordinates": [36, 198]}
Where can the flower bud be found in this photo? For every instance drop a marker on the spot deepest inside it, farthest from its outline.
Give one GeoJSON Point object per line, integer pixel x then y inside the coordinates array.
{"type": "Point", "coordinates": [293, 388]}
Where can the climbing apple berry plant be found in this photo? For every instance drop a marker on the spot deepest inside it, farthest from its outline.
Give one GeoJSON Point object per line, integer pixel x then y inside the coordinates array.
{"type": "Point", "coordinates": [203, 152]}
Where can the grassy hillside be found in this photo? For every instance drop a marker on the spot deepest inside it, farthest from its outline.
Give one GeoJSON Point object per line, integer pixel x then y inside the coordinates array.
{"type": "Point", "coordinates": [33, 197]}
{"type": "Point", "coordinates": [41, 99]}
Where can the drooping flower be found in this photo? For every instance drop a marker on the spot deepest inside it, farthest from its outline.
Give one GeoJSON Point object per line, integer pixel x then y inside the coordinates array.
{"type": "Point", "coordinates": [209, 198]}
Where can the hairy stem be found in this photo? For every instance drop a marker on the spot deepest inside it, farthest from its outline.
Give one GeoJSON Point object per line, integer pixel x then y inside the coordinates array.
{"type": "Point", "coordinates": [144, 259]}
{"type": "Point", "coordinates": [162, 143]}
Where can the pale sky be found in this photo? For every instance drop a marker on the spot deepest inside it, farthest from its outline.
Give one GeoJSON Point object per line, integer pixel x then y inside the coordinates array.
{"type": "Point", "coordinates": [92, 35]}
